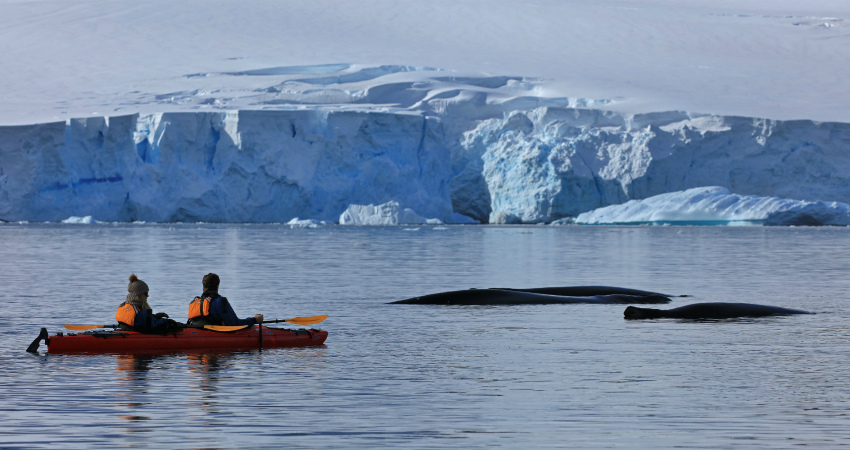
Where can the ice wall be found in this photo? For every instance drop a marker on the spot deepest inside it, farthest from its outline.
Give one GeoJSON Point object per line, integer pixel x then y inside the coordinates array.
{"type": "Point", "coordinates": [551, 163]}
{"type": "Point", "coordinates": [512, 162]}
{"type": "Point", "coordinates": [245, 166]}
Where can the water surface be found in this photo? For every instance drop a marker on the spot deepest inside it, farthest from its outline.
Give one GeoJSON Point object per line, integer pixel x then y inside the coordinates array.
{"type": "Point", "coordinates": [423, 376]}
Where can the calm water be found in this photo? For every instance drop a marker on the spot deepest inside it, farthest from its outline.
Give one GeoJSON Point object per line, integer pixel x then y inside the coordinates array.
{"type": "Point", "coordinates": [420, 376]}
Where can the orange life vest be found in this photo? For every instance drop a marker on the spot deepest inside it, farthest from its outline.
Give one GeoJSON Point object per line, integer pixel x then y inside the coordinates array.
{"type": "Point", "coordinates": [126, 314]}
{"type": "Point", "coordinates": [200, 308]}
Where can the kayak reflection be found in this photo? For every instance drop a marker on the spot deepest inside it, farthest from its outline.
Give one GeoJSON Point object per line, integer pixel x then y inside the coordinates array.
{"type": "Point", "coordinates": [132, 375]}
{"type": "Point", "coordinates": [207, 369]}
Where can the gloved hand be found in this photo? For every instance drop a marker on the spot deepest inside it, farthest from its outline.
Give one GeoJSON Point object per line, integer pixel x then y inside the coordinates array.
{"type": "Point", "coordinates": [161, 315]}
{"type": "Point", "coordinates": [171, 326]}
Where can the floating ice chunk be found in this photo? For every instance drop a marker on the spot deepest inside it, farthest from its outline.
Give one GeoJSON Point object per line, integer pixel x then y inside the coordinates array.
{"type": "Point", "coordinates": [76, 219]}
{"type": "Point", "coordinates": [389, 213]}
{"type": "Point", "coordinates": [715, 205]}
{"type": "Point", "coordinates": [306, 223]}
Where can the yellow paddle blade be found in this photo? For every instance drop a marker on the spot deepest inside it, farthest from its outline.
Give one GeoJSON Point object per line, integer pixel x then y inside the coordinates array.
{"type": "Point", "coordinates": [85, 327]}
{"type": "Point", "coordinates": [306, 320]}
{"type": "Point", "coordinates": [226, 328]}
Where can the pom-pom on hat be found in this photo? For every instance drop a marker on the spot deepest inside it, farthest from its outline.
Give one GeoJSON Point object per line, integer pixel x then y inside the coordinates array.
{"type": "Point", "coordinates": [137, 287]}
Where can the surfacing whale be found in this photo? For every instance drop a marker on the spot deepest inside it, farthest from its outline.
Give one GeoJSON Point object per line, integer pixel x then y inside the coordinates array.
{"type": "Point", "coordinates": [517, 297]}
{"type": "Point", "coordinates": [588, 291]}
{"type": "Point", "coordinates": [699, 311]}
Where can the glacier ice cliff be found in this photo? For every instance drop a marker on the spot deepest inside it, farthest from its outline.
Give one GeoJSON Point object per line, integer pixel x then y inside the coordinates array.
{"type": "Point", "coordinates": [550, 163]}
{"type": "Point", "coordinates": [242, 166]}
{"type": "Point", "coordinates": [456, 153]}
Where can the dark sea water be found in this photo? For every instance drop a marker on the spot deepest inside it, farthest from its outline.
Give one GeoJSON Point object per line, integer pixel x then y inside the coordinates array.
{"type": "Point", "coordinates": [419, 376]}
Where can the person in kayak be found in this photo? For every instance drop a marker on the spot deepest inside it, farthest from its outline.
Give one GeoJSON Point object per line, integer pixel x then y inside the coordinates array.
{"type": "Point", "coordinates": [137, 315]}
{"type": "Point", "coordinates": [213, 309]}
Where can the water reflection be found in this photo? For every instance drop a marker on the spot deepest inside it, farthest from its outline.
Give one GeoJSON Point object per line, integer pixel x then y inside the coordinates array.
{"type": "Point", "coordinates": [132, 376]}
{"type": "Point", "coordinates": [206, 368]}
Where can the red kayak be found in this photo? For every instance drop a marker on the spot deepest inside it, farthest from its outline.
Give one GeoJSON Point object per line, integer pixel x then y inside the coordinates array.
{"type": "Point", "coordinates": [188, 339]}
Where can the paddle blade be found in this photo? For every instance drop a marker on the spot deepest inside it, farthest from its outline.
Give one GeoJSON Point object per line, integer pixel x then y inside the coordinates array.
{"type": "Point", "coordinates": [87, 327]}
{"type": "Point", "coordinates": [226, 328]}
{"type": "Point", "coordinates": [306, 320]}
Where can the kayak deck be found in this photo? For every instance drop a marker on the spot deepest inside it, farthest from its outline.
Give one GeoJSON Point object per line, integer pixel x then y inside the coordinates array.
{"type": "Point", "coordinates": [192, 339]}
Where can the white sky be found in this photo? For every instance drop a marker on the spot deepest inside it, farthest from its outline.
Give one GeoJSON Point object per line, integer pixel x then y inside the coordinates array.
{"type": "Point", "coordinates": [782, 59]}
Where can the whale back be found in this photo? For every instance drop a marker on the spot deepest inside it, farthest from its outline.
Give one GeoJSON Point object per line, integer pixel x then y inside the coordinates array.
{"type": "Point", "coordinates": [511, 297]}
{"type": "Point", "coordinates": [586, 291]}
{"type": "Point", "coordinates": [719, 310]}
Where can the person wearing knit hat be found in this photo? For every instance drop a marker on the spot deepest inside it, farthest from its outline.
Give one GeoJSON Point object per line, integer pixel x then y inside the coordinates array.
{"type": "Point", "coordinates": [136, 314]}
{"type": "Point", "coordinates": [213, 309]}
{"type": "Point", "coordinates": [138, 292]}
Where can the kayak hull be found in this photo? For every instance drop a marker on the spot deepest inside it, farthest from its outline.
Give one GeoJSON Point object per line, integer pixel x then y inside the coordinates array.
{"type": "Point", "coordinates": [188, 339]}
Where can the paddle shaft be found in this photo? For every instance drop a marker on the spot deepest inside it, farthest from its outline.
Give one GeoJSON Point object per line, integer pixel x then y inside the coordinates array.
{"type": "Point", "coordinates": [88, 327]}
{"type": "Point", "coordinates": [300, 320]}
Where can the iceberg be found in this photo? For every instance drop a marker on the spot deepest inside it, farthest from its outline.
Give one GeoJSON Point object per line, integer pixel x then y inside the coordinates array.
{"type": "Point", "coordinates": [88, 220]}
{"type": "Point", "coordinates": [714, 205]}
{"type": "Point", "coordinates": [389, 213]}
{"type": "Point", "coordinates": [305, 223]}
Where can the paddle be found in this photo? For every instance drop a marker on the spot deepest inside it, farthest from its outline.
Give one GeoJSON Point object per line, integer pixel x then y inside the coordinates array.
{"type": "Point", "coordinates": [300, 320]}
{"type": "Point", "coordinates": [88, 327]}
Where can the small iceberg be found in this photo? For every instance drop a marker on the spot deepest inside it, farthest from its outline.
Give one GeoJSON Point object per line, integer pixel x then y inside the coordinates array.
{"type": "Point", "coordinates": [81, 220]}
{"type": "Point", "coordinates": [389, 213]}
{"type": "Point", "coordinates": [714, 205]}
{"type": "Point", "coordinates": [306, 223]}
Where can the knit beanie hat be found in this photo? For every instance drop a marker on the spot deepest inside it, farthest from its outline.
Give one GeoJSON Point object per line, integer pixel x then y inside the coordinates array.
{"type": "Point", "coordinates": [136, 289]}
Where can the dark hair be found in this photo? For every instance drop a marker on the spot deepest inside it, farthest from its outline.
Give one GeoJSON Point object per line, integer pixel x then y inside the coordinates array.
{"type": "Point", "coordinates": [211, 282]}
